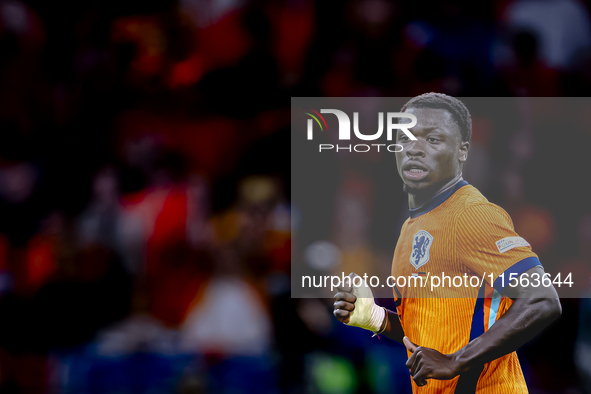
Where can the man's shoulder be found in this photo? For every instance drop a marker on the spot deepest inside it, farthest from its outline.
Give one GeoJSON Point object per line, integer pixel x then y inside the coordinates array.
{"type": "Point", "coordinates": [471, 202]}
{"type": "Point", "coordinates": [468, 197]}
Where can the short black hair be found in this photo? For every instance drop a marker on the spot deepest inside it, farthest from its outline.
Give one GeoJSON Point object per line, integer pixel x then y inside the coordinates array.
{"type": "Point", "coordinates": [451, 104]}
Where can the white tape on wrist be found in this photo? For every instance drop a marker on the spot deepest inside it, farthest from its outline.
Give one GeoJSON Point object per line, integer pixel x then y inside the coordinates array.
{"type": "Point", "coordinates": [367, 314]}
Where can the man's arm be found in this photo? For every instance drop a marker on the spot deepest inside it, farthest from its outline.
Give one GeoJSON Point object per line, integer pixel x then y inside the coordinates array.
{"type": "Point", "coordinates": [533, 309]}
{"type": "Point", "coordinates": [393, 329]}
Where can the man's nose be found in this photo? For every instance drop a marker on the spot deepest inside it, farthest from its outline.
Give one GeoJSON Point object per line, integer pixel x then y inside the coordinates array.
{"type": "Point", "coordinates": [415, 149]}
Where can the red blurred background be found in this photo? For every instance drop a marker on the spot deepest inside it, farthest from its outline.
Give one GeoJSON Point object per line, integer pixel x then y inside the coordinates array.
{"type": "Point", "coordinates": [144, 182]}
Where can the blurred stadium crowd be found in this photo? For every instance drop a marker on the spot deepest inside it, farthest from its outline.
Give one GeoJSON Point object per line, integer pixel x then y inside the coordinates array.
{"type": "Point", "coordinates": [145, 239]}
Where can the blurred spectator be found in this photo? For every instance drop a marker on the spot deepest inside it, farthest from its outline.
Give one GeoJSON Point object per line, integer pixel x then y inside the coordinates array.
{"type": "Point", "coordinates": [562, 27]}
{"type": "Point", "coordinates": [528, 75]}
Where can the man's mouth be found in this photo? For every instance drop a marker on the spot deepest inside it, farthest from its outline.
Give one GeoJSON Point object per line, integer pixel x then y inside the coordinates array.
{"type": "Point", "coordinates": [415, 172]}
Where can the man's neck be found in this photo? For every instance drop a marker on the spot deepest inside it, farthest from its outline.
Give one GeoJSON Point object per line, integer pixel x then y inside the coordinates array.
{"type": "Point", "coordinates": [416, 201]}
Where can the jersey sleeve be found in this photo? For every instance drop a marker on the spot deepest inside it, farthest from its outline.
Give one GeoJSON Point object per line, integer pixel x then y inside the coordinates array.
{"type": "Point", "coordinates": [488, 244]}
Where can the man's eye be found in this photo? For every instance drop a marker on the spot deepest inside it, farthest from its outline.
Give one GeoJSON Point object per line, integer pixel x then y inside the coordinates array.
{"type": "Point", "coordinates": [403, 138]}
{"type": "Point", "coordinates": [430, 139]}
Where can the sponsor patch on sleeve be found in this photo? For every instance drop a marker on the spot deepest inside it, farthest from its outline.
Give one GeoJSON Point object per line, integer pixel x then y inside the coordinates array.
{"type": "Point", "coordinates": [509, 243]}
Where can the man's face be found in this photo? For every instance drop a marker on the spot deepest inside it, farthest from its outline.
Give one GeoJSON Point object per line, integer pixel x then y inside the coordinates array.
{"type": "Point", "coordinates": [436, 157]}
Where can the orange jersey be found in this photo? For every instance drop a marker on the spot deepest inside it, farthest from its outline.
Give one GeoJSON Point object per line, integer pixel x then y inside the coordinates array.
{"type": "Point", "coordinates": [459, 234]}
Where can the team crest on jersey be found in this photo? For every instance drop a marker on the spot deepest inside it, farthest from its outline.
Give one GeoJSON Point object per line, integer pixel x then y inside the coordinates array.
{"type": "Point", "coordinates": [421, 244]}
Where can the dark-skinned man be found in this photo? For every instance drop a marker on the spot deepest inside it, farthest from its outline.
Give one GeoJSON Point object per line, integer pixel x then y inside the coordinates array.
{"type": "Point", "coordinates": [460, 339]}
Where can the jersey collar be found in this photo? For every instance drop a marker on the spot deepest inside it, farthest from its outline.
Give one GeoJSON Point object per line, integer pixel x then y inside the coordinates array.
{"type": "Point", "coordinates": [437, 200]}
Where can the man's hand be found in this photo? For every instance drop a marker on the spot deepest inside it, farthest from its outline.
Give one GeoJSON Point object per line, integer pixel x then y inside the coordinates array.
{"type": "Point", "coordinates": [344, 303]}
{"type": "Point", "coordinates": [355, 306]}
{"type": "Point", "coordinates": [426, 363]}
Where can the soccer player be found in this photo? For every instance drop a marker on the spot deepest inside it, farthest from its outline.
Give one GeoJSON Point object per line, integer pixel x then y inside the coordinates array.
{"type": "Point", "coordinates": [459, 339]}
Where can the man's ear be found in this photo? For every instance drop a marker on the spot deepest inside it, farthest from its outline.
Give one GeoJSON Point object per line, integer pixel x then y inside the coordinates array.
{"type": "Point", "coordinates": [464, 146]}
